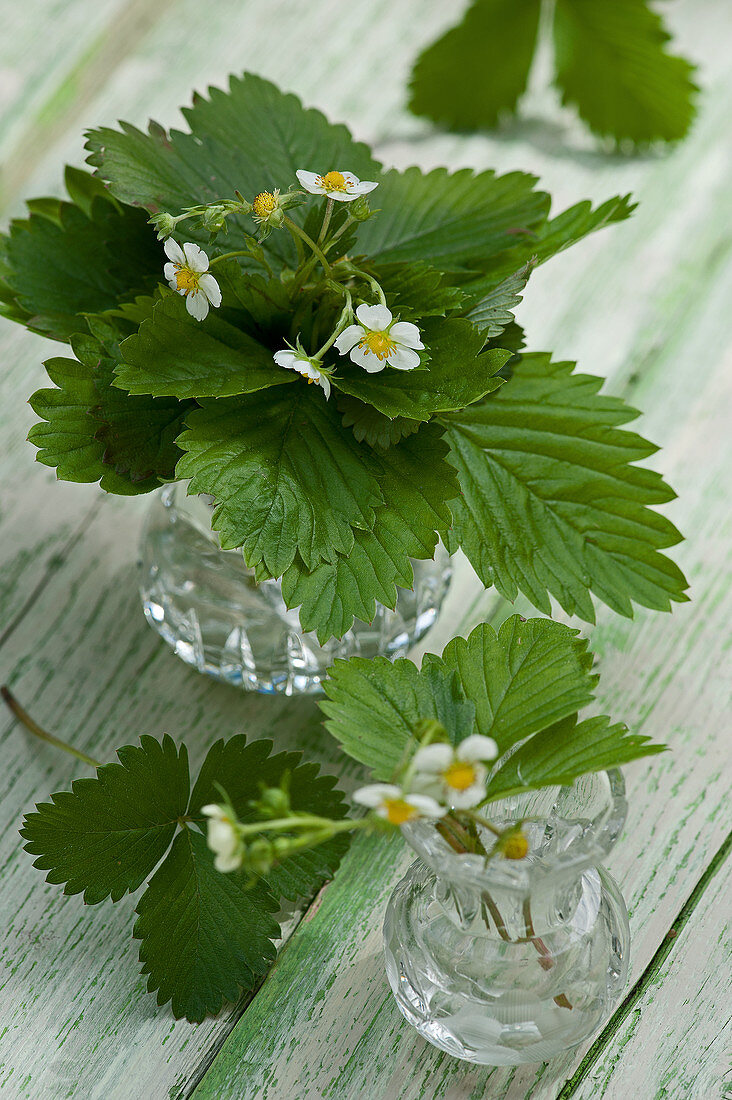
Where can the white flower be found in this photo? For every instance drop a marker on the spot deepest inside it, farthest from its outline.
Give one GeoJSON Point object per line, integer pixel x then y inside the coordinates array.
{"type": "Point", "coordinates": [312, 369]}
{"type": "Point", "coordinates": [343, 186]}
{"type": "Point", "coordinates": [379, 341]}
{"type": "Point", "coordinates": [458, 775]}
{"type": "Point", "coordinates": [397, 807]}
{"type": "Point", "coordinates": [187, 273]}
{"type": "Point", "coordinates": [223, 839]}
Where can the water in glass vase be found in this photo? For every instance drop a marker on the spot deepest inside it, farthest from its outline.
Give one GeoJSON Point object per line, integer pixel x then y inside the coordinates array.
{"type": "Point", "coordinates": [207, 606]}
{"type": "Point", "coordinates": [502, 962]}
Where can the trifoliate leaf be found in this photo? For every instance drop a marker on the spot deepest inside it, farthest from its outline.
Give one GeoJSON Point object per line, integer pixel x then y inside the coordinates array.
{"type": "Point", "coordinates": [552, 503]}
{"type": "Point", "coordinates": [57, 268]}
{"type": "Point", "coordinates": [522, 679]}
{"type": "Point", "coordinates": [287, 476]}
{"type": "Point", "coordinates": [241, 768]}
{"type": "Point", "coordinates": [206, 936]}
{"type": "Point", "coordinates": [566, 750]}
{"type": "Point", "coordinates": [456, 376]}
{"type": "Point", "coordinates": [479, 68]}
{"type": "Point", "coordinates": [611, 64]}
{"type": "Point", "coordinates": [106, 834]}
{"type": "Point", "coordinates": [416, 482]}
{"type": "Point", "coordinates": [173, 355]}
{"type": "Point", "coordinates": [417, 290]}
{"type": "Point", "coordinates": [368, 424]}
{"type": "Point", "coordinates": [251, 138]}
{"type": "Point", "coordinates": [374, 705]}
{"type": "Point", "coordinates": [492, 312]}
{"type": "Point", "coordinates": [451, 220]}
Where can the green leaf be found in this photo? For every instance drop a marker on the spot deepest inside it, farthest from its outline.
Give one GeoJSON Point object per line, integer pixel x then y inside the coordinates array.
{"type": "Point", "coordinates": [415, 290]}
{"type": "Point", "coordinates": [206, 936]}
{"type": "Point", "coordinates": [478, 69]}
{"type": "Point", "coordinates": [416, 482]}
{"type": "Point", "coordinates": [287, 476]}
{"type": "Point", "coordinates": [492, 312]}
{"type": "Point", "coordinates": [240, 768]}
{"type": "Point", "coordinates": [453, 221]}
{"type": "Point", "coordinates": [552, 503]}
{"type": "Point", "coordinates": [58, 268]}
{"type": "Point", "coordinates": [611, 63]}
{"type": "Point", "coordinates": [457, 375]}
{"type": "Point", "coordinates": [106, 834]}
{"type": "Point", "coordinates": [368, 424]}
{"type": "Point", "coordinates": [522, 679]}
{"type": "Point", "coordinates": [92, 432]}
{"type": "Point", "coordinates": [251, 138]}
{"type": "Point", "coordinates": [373, 706]}
{"type": "Point", "coordinates": [173, 355]}
{"type": "Point", "coordinates": [557, 234]}
{"type": "Point", "coordinates": [566, 750]}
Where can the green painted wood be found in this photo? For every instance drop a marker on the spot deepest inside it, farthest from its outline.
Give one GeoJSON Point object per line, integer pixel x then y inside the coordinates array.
{"type": "Point", "coordinates": [631, 304]}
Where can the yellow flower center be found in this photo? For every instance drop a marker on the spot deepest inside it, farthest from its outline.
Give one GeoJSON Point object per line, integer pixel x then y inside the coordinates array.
{"type": "Point", "coordinates": [187, 280]}
{"type": "Point", "coordinates": [459, 775]}
{"type": "Point", "coordinates": [264, 204]}
{"type": "Point", "coordinates": [398, 811]}
{"type": "Point", "coordinates": [333, 181]}
{"type": "Point", "coordinates": [379, 344]}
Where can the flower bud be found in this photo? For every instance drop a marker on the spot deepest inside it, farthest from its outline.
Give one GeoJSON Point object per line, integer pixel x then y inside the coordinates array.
{"type": "Point", "coordinates": [360, 209]}
{"type": "Point", "coordinates": [274, 802]}
{"type": "Point", "coordinates": [514, 845]}
{"type": "Point", "coordinates": [260, 856]}
{"type": "Point", "coordinates": [430, 730]}
{"type": "Point", "coordinates": [214, 218]}
{"type": "Point", "coordinates": [164, 224]}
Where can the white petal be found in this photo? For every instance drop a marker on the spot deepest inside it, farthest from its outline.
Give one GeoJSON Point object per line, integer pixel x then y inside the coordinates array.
{"type": "Point", "coordinates": [377, 318]}
{"type": "Point", "coordinates": [465, 800]}
{"type": "Point", "coordinates": [221, 836]}
{"type": "Point", "coordinates": [363, 187]}
{"type": "Point", "coordinates": [325, 383]}
{"type": "Point", "coordinates": [309, 180]}
{"type": "Point", "coordinates": [404, 359]}
{"type": "Point", "coordinates": [211, 289]}
{"type": "Point", "coordinates": [349, 338]}
{"type": "Point", "coordinates": [342, 196]}
{"type": "Point", "coordinates": [428, 807]}
{"type": "Point", "coordinates": [169, 272]}
{"type": "Point", "coordinates": [174, 251]}
{"type": "Point", "coordinates": [173, 284]}
{"type": "Point", "coordinates": [404, 332]}
{"type": "Point", "coordinates": [350, 179]}
{"type": "Point", "coordinates": [195, 257]}
{"type": "Point", "coordinates": [375, 794]}
{"type": "Point", "coordinates": [433, 758]}
{"type": "Point", "coordinates": [197, 305]}
{"type": "Point", "coordinates": [212, 810]}
{"type": "Point", "coordinates": [227, 862]}
{"type": "Point", "coordinates": [477, 747]}
{"type": "Point", "coordinates": [362, 357]}
{"type": "Point", "coordinates": [285, 359]}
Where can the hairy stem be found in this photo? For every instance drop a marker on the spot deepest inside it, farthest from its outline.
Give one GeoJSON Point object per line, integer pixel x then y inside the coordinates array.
{"type": "Point", "coordinates": [22, 715]}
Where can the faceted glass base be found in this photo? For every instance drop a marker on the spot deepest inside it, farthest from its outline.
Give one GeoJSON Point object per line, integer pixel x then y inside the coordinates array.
{"type": "Point", "coordinates": [207, 606]}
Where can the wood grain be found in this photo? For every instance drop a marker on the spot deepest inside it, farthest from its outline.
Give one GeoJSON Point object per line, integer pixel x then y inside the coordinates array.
{"type": "Point", "coordinates": [646, 303]}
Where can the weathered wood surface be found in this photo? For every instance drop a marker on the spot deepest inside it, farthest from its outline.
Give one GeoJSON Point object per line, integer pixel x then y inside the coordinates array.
{"type": "Point", "coordinates": [646, 304]}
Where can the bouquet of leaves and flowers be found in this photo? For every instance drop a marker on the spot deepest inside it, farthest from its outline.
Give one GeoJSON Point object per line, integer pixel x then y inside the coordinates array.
{"type": "Point", "coordinates": [344, 376]}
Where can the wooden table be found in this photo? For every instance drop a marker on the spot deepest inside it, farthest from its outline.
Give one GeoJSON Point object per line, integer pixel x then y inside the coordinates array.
{"type": "Point", "coordinates": [649, 305]}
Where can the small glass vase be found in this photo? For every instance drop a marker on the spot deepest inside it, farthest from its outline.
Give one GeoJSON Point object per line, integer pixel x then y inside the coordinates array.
{"type": "Point", "coordinates": [504, 961]}
{"type": "Point", "coordinates": [207, 606]}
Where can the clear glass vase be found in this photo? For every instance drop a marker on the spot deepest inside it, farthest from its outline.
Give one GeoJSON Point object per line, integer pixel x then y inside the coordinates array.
{"type": "Point", "coordinates": [502, 961]}
{"type": "Point", "coordinates": [207, 606]}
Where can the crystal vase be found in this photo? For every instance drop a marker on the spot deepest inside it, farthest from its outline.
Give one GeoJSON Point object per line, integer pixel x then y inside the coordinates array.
{"type": "Point", "coordinates": [206, 604]}
{"type": "Point", "coordinates": [503, 961]}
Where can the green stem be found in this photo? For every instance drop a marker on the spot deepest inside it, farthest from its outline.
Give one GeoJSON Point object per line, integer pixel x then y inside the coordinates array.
{"type": "Point", "coordinates": [326, 219]}
{"type": "Point", "coordinates": [350, 220]}
{"type": "Point", "coordinates": [228, 256]}
{"type": "Point", "coordinates": [343, 320]}
{"type": "Point", "coordinates": [22, 715]}
{"type": "Point", "coordinates": [298, 232]}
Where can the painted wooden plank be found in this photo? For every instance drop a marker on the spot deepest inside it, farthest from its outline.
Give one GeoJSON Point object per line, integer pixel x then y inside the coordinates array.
{"type": "Point", "coordinates": [106, 1037]}
{"type": "Point", "coordinates": [681, 1016]}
